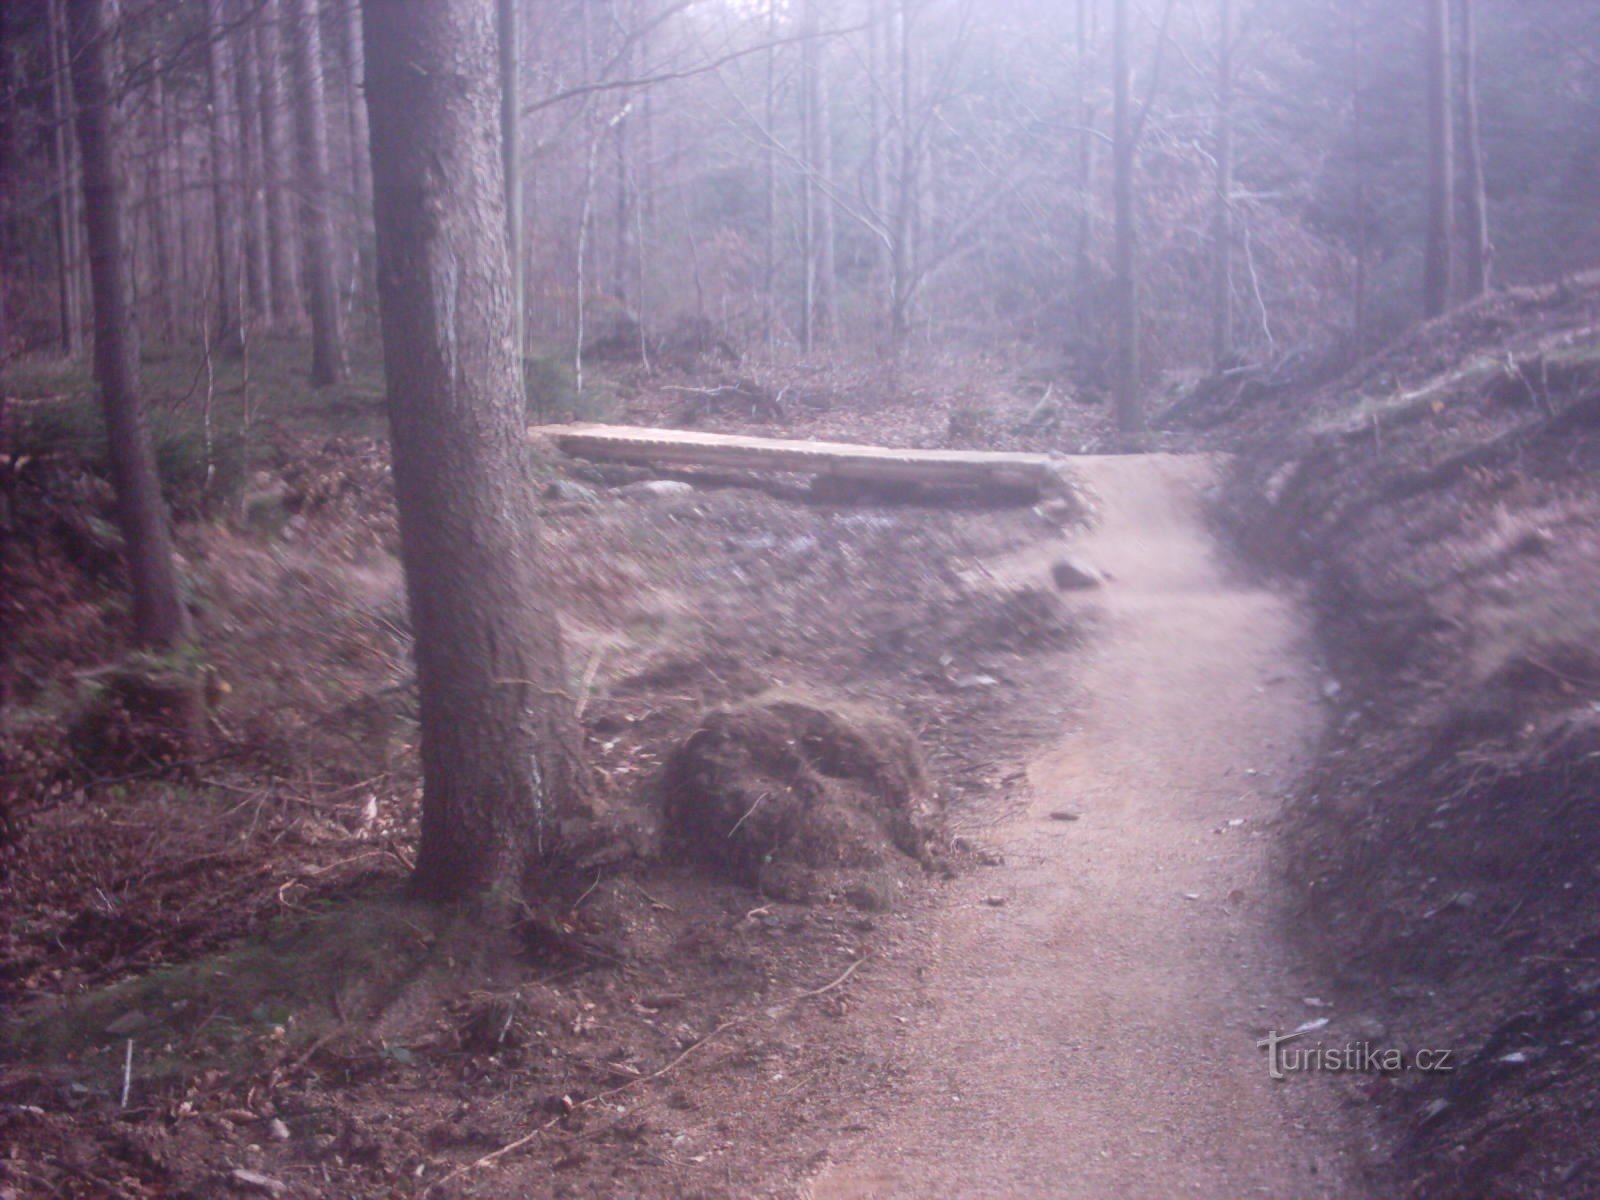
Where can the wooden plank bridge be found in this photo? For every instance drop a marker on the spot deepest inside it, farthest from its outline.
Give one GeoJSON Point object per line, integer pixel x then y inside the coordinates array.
{"type": "Point", "coordinates": [674, 448]}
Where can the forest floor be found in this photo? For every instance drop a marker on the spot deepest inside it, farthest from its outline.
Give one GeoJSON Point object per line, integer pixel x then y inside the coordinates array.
{"type": "Point", "coordinates": [214, 981]}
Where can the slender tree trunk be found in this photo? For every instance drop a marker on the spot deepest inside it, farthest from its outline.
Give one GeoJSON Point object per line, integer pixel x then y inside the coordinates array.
{"type": "Point", "coordinates": [316, 215]}
{"type": "Point", "coordinates": [1125, 384]}
{"type": "Point", "coordinates": [219, 69]}
{"type": "Point", "coordinates": [1478, 247]}
{"type": "Point", "coordinates": [159, 210]}
{"type": "Point", "coordinates": [69, 300]}
{"type": "Point", "coordinates": [282, 235]}
{"type": "Point", "coordinates": [623, 222]}
{"type": "Point", "coordinates": [1086, 116]}
{"type": "Point", "coordinates": [257, 239]}
{"type": "Point", "coordinates": [1222, 230]}
{"type": "Point", "coordinates": [501, 752]}
{"type": "Point", "coordinates": [508, 41]}
{"type": "Point", "coordinates": [1439, 265]}
{"type": "Point", "coordinates": [185, 307]}
{"type": "Point", "coordinates": [769, 264]}
{"type": "Point", "coordinates": [159, 617]}
{"type": "Point", "coordinates": [827, 226]}
{"type": "Point", "coordinates": [808, 185]}
{"type": "Point", "coordinates": [880, 72]}
{"type": "Point", "coordinates": [1358, 127]}
{"type": "Point", "coordinates": [360, 158]}
{"type": "Point", "coordinates": [905, 220]}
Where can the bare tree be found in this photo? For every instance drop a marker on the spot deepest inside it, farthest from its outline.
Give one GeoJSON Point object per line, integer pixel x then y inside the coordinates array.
{"type": "Point", "coordinates": [501, 754]}
{"type": "Point", "coordinates": [160, 211]}
{"type": "Point", "coordinates": [509, 40]}
{"type": "Point", "coordinates": [1477, 215]}
{"type": "Point", "coordinates": [257, 239]}
{"type": "Point", "coordinates": [282, 234]}
{"type": "Point", "coordinates": [360, 159]}
{"type": "Point", "coordinates": [1125, 383]}
{"type": "Point", "coordinates": [1438, 272]}
{"type": "Point", "coordinates": [159, 617]}
{"type": "Point", "coordinates": [1222, 229]}
{"type": "Point", "coordinates": [219, 68]}
{"type": "Point", "coordinates": [67, 217]}
{"type": "Point", "coordinates": [316, 216]}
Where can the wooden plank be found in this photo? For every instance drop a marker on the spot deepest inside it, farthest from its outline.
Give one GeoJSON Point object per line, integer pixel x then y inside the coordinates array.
{"type": "Point", "coordinates": [846, 460]}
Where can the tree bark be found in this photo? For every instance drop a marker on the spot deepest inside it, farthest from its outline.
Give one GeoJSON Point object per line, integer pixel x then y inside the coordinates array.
{"type": "Point", "coordinates": [769, 242]}
{"type": "Point", "coordinates": [223, 177]}
{"type": "Point", "coordinates": [159, 210]}
{"type": "Point", "coordinates": [159, 617]}
{"type": "Point", "coordinates": [247, 87]}
{"type": "Point", "coordinates": [1222, 230]}
{"type": "Point", "coordinates": [282, 236]}
{"type": "Point", "coordinates": [68, 227]}
{"type": "Point", "coordinates": [360, 157]}
{"type": "Point", "coordinates": [316, 214]}
{"type": "Point", "coordinates": [501, 752]}
{"type": "Point", "coordinates": [808, 183]}
{"type": "Point", "coordinates": [880, 72]}
{"type": "Point", "coordinates": [1479, 250]}
{"type": "Point", "coordinates": [509, 35]}
{"type": "Point", "coordinates": [1085, 109]}
{"type": "Point", "coordinates": [902, 260]}
{"type": "Point", "coordinates": [1125, 384]}
{"type": "Point", "coordinates": [1438, 272]}
{"type": "Point", "coordinates": [827, 226]}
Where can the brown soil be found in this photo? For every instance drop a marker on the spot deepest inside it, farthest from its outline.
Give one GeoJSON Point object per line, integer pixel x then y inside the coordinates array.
{"type": "Point", "coordinates": [1441, 499]}
{"type": "Point", "coordinates": [1089, 1019]}
{"type": "Point", "coordinates": [130, 895]}
{"type": "Point", "coordinates": [795, 798]}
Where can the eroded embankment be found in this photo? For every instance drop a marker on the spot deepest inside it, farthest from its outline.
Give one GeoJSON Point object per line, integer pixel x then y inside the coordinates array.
{"type": "Point", "coordinates": [1443, 500]}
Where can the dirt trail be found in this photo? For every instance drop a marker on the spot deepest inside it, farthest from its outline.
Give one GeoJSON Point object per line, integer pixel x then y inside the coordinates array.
{"type": "Point", "coordinates": [1094, 1035]}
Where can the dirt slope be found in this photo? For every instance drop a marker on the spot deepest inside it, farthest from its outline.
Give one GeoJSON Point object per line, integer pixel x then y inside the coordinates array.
{"type": "Point", "coordinates": [1095, 1004]}
{"type": "Point", "coordinates": [1441, 501]}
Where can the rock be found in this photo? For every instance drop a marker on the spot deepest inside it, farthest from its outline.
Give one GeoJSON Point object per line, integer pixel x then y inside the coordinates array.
{"type": "Point", "coordinates": [277, 1130]}
{"type": "Point", "coordinates": [567, 491]}
{"type": "Point", "coordinates": [966, 683]}
{"type": "Point", "coordinates": [254, 1181]}
{"type": "Point", "coordinates": [1058, 510]}
{"type": "Point", "coordinates": [1074, 574]}
{"type": "Point", "coordinates": [656, 487]}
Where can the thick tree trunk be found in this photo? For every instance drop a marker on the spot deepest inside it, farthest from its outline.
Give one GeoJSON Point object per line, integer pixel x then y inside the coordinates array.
{"type": "Point", "coordinates": [219, 69]}
{"type": "Point", "coordinates": [316, 215]}
{"type": "Point", "coordinates": [282, 235]}
{"type": "Point", "coordinates": [159, 617]}
{"type": "Point", "coordinates": [501, 752]}
{"type": "Point", "coordinates": [1438, 270]}
{"type": "Point", "coordinates": [509, 44]}
{"type": "Point", "coordinates": [1222, 230]}
{"type": "Point", "coordinates": [247, 87]}
{"type": "Point", "coordinates": [68, 228]}
{"type": "Point", "coordinates": [1478, 248]}
{"type": "Point", "coordinates": [1125, 383]}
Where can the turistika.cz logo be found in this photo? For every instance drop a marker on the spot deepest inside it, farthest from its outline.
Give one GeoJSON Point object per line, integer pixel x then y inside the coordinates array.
{"type": "Point", "coordinates": [1284, 1059]}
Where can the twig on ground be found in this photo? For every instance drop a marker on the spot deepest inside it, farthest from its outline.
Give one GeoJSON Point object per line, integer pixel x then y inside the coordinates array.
{"type": "Point", "coordinates": [533, 1134]}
